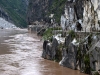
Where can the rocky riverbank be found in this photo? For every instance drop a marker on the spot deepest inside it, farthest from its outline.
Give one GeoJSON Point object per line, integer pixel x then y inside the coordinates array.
{"type": "Point", "coordinates": [75, 50]}
{"type": "Point", "coordinates": [20, 54]}
{"type": "Point", "coordinates": [75, 42]}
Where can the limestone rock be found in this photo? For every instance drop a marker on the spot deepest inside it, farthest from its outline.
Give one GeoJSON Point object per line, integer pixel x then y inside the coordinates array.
{"type": "Point", "coordinates": [54, 47]}
{"type": "Point", "coordinates": [50, 50]}
{"type": "Point", "coordinates": [37, 10]}
{"type": "Point", "coordinates": [95, 57]}
{"type": "Point", "coordinates": [69, 60]}
{"type": "Point", "coordinates": [68, 40]}
{"type": "Point", "coordinates": [44, 48]}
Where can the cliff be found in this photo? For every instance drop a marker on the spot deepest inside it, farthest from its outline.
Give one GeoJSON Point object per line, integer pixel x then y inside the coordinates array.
{"type": "Point", "coordinates": [41, 10]}
{"type": "Point", "coordinates": [75, 50]}
{"type": "Point", "coordinates": [81, 15]}
{"type": "Point", "coordinates": [37, 10]}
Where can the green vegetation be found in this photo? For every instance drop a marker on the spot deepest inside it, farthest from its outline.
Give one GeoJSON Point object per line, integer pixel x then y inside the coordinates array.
{"type": "Point", "coordinates": [86, 60]}
{"type": "Point", "coordinates": [96, 73]}
{"type": "Point", "coordinates": [16, 9]}
{"type": "Point", "coordinates": [72, 34]}
{"type": "Point", "coordinates": [87, 63]}
{"type": "Point", "coordinates": [58, 55]}
{"type": "Point", "coordinates": [90, 40]}
{"type": "Point", "coordinates": [57, 8]}
{"type": "Point", "coordinates": [48, 33]}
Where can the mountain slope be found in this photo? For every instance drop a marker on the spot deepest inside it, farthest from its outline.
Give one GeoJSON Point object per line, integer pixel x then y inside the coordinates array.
{"type": "Point", "coordinates": [41, 9]}
{"type": "Point", "coordinates": [5, 24]}
{"type": "Point", "coordinates": [16, 9]}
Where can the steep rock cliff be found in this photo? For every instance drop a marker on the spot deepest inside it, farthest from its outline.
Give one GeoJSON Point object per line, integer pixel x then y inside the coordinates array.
{"type": "Point", "coordinates": [41, 9]}
{"type": "Point", "coordinates": [77, 15]}
{"type": "Point", "coordinates": [81, 15]}
{"type": "Point", "coordinates": [37, 10]}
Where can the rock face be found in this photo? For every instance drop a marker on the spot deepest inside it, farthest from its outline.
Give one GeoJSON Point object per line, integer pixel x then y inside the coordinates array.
{"type": "Point", "coordinates": [38, 9]}
{"type": "Point", "coordinates": [95, 56]}
{"type": "Point", "coordinates": [82, 54]}
{"type": "Point", "coordinates": [50, 50]}
{"type": "Point", "coordinates": [44, 49]}
{"type": "Point", "coordinates": [54, 48]}
{"type": "Point", "coordinates": [26, 2]}
{"type": "Point", "coordinates": [68, 40]}
{"type": "Point", "coordinates": [81, 13]}
{"type": "Point", "coordinates": [69, 58]}
{"type": "Point", "coordinates": [73, 12]}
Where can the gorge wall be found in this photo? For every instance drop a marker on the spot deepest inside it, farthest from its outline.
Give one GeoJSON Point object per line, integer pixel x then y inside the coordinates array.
{"type": "Point", "coordinates": [81, 15]}
{"type": "Point", "coordinates": [41, 10]}
{"type": "Point", "coordinates": [14, 11]}
{"type": "Point", "coordinates": [71, 49]}
{"type": "Point", "coordinates": [86, 12]}
{"type": "Point", "coordinates": [38, 9]}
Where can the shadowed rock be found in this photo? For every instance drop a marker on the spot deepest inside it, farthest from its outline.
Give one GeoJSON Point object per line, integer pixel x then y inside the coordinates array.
{"type": "Point", "coordinates": [44, 48]}
{"type": "Point", "coordinates": [69, 60]}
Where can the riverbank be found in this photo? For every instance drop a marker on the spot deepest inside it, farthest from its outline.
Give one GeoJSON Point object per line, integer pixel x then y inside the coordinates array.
{"type": "Point", "coordinates": [75, 50]}
{"type": "Point", "coordinates": [71, 49]}
{"type": "Point", "coordinates": [24, 57]}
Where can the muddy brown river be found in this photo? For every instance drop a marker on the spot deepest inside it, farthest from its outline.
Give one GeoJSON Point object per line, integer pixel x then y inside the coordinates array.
{"type": "Point", "coordinates": [20, 54]}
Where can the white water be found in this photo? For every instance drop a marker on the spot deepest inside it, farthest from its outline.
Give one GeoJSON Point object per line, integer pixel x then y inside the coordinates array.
{"type": "Point", "coordinates": [21, 61]}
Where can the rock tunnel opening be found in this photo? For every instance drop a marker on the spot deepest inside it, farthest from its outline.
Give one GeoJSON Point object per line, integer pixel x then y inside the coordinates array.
{"type": "Point", "coordinates": [78, 26]}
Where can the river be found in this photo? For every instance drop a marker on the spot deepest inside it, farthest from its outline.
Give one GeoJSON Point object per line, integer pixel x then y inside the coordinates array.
{"type": "Point", "coordinates": [20, 54]}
